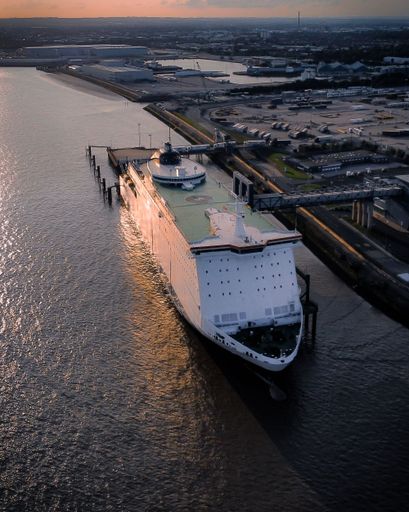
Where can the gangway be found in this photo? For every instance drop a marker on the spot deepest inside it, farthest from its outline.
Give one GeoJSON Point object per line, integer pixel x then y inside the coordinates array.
{"type": "Point", "coordinates": [280, 201]}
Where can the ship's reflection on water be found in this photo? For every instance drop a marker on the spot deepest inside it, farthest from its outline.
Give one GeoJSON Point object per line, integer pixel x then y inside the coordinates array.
{"type": "Point", "coordinates": [190, 415]}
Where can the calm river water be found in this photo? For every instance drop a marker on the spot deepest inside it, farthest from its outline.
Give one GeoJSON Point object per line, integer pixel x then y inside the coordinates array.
{"type": "Point", "coordinates": [109, 402]}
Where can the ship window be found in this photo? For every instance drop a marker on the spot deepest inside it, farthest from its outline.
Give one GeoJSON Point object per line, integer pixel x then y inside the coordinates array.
{"type": "Point", "coordinates": [268, 312]}
{"type": "Point", "coordinates": [209, 295]}
{"type": "Point", "coordinates": [223, 294]}
{"type": "Point", "coordinates": [241, 292]}
{"type": "Point", "coordinates": [242, 315]}
{"type": "Point", "coordinates": [216, 319]}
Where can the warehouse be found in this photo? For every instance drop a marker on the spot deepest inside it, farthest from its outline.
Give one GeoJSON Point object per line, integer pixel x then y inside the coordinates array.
{"type": "Point", "coordinates": [96, 51]}
{"type": "Point", "coordinates": [333, 162]}
{"type": "Point", "coordinates": [116, 73]}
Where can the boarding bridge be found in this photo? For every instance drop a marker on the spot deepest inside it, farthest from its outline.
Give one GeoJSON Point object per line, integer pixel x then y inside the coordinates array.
{"type": "Point", "coordinates": [281, 201]}
{"type": "Point", "coordinates": [229, 145]}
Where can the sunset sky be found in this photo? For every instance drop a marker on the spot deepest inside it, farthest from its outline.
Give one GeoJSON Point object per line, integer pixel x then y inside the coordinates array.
{"type": "Point", "coordinates": [201, 8]}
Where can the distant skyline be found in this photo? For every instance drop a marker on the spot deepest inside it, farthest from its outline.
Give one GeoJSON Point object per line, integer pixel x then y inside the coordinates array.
{"type": "Point", "coordinates": [201, 8]}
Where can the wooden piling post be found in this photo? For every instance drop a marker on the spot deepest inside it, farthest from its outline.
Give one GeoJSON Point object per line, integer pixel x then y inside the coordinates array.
{"type": "Point", "coordinates": [98, 171]}
{"type": "Point", "coordinates": [104, 185]}
{"type": "Point", "coordinates": [93, 161]}
{"type": "Point", "coordinates": [109, 193]}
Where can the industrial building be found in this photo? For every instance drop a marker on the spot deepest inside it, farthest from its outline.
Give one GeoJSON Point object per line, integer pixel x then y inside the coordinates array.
{"type": "Point", "coordinates": [116, 73]}
{"type": "Point", "coordinates": [95, 51]}
{"type": "Point", "coordinates": [332, 162]}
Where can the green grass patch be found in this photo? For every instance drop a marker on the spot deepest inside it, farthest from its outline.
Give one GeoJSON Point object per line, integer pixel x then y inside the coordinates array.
{"type": "Point", "coordinates": [285, 169]}
{"type": "Point", "coordinates": [193, 123]}
{"type": "Point", "coordinates": [309, 187]}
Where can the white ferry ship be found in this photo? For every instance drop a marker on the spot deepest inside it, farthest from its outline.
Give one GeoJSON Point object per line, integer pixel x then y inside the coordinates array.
{"type": "Point", "coordinates": [231, 271]}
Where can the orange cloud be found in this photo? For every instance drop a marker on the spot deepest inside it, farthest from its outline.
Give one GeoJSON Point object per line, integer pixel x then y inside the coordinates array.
{"type": "Point", "coordinates": [202, 8]}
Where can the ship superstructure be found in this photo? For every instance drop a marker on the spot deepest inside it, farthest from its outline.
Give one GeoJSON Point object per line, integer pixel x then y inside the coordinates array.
{"type": "Point", "coordinates": [231, 271]}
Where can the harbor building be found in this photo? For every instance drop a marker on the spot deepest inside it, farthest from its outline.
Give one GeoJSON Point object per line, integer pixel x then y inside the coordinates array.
{"type": "Point", "coordinates": [116, 73]}
{"type": "Point", "coordinates": [95, 51]}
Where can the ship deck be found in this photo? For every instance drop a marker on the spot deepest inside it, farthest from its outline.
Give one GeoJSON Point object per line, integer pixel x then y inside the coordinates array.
{"type": "Point", "coordinates": [188, 208]}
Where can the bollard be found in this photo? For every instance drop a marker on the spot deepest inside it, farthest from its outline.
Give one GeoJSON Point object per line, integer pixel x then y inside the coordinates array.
{"type": "Point", "coordinates": [109, 191]}
{"type": "Point", "coordinates": [104, 185]}
{"type": "Point", "coordinates": [98, 171]}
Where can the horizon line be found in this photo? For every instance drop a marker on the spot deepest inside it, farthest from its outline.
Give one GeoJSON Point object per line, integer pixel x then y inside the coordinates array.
{"type": "Point", "coordinates": [355, 16]}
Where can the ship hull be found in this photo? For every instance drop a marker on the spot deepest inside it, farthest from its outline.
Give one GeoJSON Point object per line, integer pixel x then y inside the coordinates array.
{"type": "Point", "coordinates": [181, 268]}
